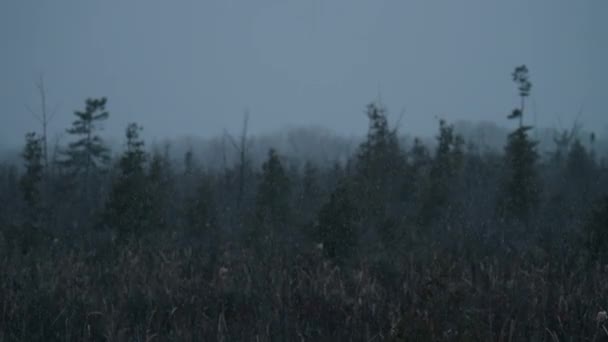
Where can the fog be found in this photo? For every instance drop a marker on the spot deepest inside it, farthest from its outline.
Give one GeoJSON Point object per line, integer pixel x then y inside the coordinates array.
{"type": "Point", "coordinates": [312, 170]}
{"type": "Point", "coordinates": [191, 68]}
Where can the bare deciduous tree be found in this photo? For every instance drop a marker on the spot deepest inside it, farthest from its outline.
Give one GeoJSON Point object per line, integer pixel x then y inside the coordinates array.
{"type": "Point", "coordinates": [241, 148]}
{"type": "Point", "coordinates": [44, 116]}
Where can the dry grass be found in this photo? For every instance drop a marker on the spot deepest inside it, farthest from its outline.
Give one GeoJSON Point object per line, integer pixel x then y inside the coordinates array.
{"type": "Point", "coordinates": [159, 292]}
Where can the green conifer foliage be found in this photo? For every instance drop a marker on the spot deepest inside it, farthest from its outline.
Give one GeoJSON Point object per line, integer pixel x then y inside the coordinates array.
{"type": "Point", "coordinates": [31, 179]}
{"type": "Point", "coordinates": [521, 187]}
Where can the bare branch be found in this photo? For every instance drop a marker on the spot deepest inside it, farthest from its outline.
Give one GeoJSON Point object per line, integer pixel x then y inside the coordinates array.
{"type": "Point", "coordinates": [54, 112]}
{"type": "Point", "coordinates": [580, 113]}
{"type": "Point", "coordinates": [293, 143]}
{"type": "Point", "coordinates": [224, 162]}
{"type": "Point", "coordinates": [559, 122]}
{"type": "Point", "coordinates": [243, 143]}
{"type": "Point", "coordinates": [232, 140]}
{"type": "Point", "coordinates": [33, 113]}
{"type": "Point", "coordinates": [245, 126]}
{"type": "Point", "coordinates": [398, 122]}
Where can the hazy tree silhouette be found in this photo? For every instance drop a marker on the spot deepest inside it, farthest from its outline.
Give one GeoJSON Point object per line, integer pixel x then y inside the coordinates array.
{"type": "Point", "coordinates": [521, 192]}
{"type": "Point", "coordinates": [272, 209]}
{"type": "Point", "coordinates": [337, 227]}
{"type": "Point", "coordinates": [379, 165]}
{"type": "Point", "coordinates": [30, 181]}
{"type": "Point", "coordinates": [127, 210]}
{"type": "Point", "coordinates": [446, 165]}
{"type": "Point", "coordinates": [87, 153]}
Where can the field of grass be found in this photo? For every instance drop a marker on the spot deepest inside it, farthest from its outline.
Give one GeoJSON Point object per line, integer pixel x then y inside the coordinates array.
{"type": "Point", "coordinates": [159, 289]}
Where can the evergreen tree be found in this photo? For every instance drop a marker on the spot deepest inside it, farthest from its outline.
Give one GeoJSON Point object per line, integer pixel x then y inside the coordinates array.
{"type": "Point", "coordinates": [579, 163]}
{"type": "Point", "coordinates": [272, 200]}
{"type": "Point", "coordinates": [336, 172]}
{"type": "Point", "coordinates": [419, 155]}
{"type": "Point", "coordinates": [202, 222]}
{"type": "Point", "coordinates": [445, 167]}
{"type": "Point", "coordinates": [562, 144]}
{"type": "Point", "coordinates": [84, 162]}
{"type": "Point", "coordinates": [337, 226]}
{"type": "Point", "coordinates": [87, 153]}
{"type": "Point", "coordinates": [379, 156]}
{"type": "Point", "coordinates": [189, 163]}
{"type": "Point", "coordinates": [379, 165]}
{"type": "Point", "coordinates": [308, 200]}
{"type": "Point", "coordinates": [159, 189]}
{"type": "Point", "coordinates": [189, 180]}
{"type": "Point", "coordinates": [127, 208]}
{"type": "Point", "coordinates": [562, 178]}
{"type": "Point", "coordinates": [9, 190]}
{"type": "Point", "coordinates": [132, 163]}
{"type": "Point", "coordinates": [311, 191]}
{"type": "Point", "coordinates": [308, 192]}
{"type": "Point", "coordinates": [30, 181]}
{"type": "Point", "coordinates": [524, 86]}
{"type": "Point", "coordinates": [31, 232]}
{"type": "Point", "coordinates": [521, 188]}
{"type": "Point", "coordinates": [581, 178]}
{"type": "Point", "coordinates": [415, 172]}
{"type": "Point", "coordinates": [201, 213]}
{"type": "Point", "coordinates": [309, 180]}
{"type": "Point", "coordinates": [596, 232]}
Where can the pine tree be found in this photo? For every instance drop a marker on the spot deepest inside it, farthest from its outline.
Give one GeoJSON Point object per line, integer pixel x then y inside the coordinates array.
{"type": "Point", "coordinates": [336, 172]}
{"type": "Point", "coordinates": [159, 189]}
{"type": "Point", "coordinates": [579, 162]}
{"type": "Point", "coordinates": [416, 168]}
{"type": "Point", "coordinates": [522, 192]}
{"type": "Point", "coordinates": [31, 232]}
{"type": "Point", "coordinates": [201, 213]}
{"type": "Point", "coordinates": [524, 86]}
{"type": "Point", "coordinates": [419, 155]}
{"type": "Point", "coordinates": [9, 190]}
{"type": "Point", "coordinates": [445, 167]}
{"type": "Point", "coordinates": [87, 153]}
{"type": "Point", "coordinates": [309, 180]}
{"type": "Point", "coordinates": [311, 191]}
{"type": "Point", "coordinates": [521, 188]}
{"type": "Point", "coordinates": [581, 177]}
{"type": "Point", "coordinates": [379, 156]}
{"type": "Point", "coordinates": [379, 165]}
{"type": "Point", "coordinates": [133, 160]}
{"type": "Point", "coordinates": [84, 161]}
{"type": "Point", "coordinates": [189, 180]}
{"type": "Point", "coordinates": [127, 208]}
{"type": "Point", "coordinates": [189, 164]}
{"type": "Point", "coordinates": [596, 232]}
{"type": "Point", "coordinates": [203, 228]}
{"type": "Point", "coordinates": [562, 144]}
{"type": "Point", "coordinates": [337, 227]}
{"type": "Point", "coordinates": [30, 181]}
{"type": "Point", "coordinates": [272, 200]}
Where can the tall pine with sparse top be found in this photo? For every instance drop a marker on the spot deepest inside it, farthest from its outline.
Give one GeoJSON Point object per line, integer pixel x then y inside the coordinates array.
{"type": "Point", "coordinates": [87, 153]}
{"type": "Point", "coordinates": [521, 187]}
{"type": "Point", "coordinates": [86, 157]}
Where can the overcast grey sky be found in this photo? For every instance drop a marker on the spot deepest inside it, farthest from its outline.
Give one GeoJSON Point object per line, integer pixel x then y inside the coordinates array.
{"type": "Point", "coordinates": [192, 67]}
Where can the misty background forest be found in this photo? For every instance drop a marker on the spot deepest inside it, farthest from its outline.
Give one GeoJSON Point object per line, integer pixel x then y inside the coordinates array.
{"type": "Point", "coordinates": [480, 233]}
